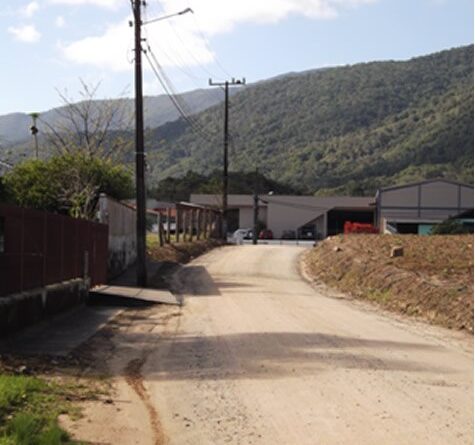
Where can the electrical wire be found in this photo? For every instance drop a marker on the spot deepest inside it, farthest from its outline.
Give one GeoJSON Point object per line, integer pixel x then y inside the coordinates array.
{"type": "Point", "coordinates": [199, 131]}
{"type": "Point", "coordinates": [200, 34]}
{"type": "Point", "coordinates": [171, 90]}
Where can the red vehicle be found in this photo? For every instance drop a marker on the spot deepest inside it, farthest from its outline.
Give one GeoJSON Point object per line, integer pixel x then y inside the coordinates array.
{"type": "Point", "coordinates": [266, 234]}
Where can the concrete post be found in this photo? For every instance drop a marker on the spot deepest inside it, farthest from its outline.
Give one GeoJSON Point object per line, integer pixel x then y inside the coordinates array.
{"type": "Point", "coordinates": [178, 224]}
{"type": "Point", "coordinates": [198, 224]}
{"type": "Point", "coordinates": [169, 212]}
{"type": "Point", "coordinates": [160, 229]}
{"type": "Point", "coordinates": [191, 225]}
{"type": "Point", "coordinates": [103, 215]}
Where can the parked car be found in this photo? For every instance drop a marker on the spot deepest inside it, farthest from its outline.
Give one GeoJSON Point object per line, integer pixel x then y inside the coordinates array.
{"type": "Point", "coordinates": [248, 235]}
{"type": "Point", "coordinates": [289, 234]}
{"type": "Point", "coordinates": [266, 234]}
{"type": "Point", "coordinates": [241, 234]}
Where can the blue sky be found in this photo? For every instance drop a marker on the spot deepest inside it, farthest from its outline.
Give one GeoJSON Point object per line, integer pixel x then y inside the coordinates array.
{"type": "Point", "coordinates": [50, 44]}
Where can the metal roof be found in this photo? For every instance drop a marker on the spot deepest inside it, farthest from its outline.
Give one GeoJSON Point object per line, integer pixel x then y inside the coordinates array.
{"type": "Point", "coordinates": [428, 181]}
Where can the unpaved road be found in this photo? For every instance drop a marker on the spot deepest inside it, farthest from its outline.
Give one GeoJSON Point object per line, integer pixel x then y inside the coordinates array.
{"type": "Point", "coordinates": [258, 356]}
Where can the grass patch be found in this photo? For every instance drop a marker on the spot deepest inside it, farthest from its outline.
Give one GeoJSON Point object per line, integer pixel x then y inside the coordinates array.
{"type": "Point", "coordinates": [380, 296]}
{"type": "Point", "coordinates": [29, 409]}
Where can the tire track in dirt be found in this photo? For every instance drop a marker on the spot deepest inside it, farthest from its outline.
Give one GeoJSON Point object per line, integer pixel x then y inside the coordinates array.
{"type": "Point", "coordinates": [133, 377]}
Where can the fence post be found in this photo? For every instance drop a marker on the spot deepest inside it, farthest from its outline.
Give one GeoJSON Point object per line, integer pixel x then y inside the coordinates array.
{"type": "Point", "coordinates": [160, 229]}
{"type": "Point", "coordinates": [178, 224]}
{"type": "Point", "coordinates": [190, 226]}
{"type": "Point", "coordinates": [169, 213]}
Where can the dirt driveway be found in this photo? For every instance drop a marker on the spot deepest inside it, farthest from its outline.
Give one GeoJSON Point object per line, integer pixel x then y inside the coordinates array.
{"type": "Point", "coordinates": [257, 356]}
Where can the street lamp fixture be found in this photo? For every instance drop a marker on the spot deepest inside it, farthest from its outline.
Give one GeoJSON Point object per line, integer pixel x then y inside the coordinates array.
{"type": "Point", "coordinates": [168, 16]}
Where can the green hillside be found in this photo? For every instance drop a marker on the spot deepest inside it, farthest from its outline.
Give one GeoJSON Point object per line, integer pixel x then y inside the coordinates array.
{"type": "Point", "coordinates": [345, 130]}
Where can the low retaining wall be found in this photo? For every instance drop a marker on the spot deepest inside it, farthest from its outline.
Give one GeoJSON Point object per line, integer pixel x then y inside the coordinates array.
{"type": "Point", "coordinates": [23, 309]}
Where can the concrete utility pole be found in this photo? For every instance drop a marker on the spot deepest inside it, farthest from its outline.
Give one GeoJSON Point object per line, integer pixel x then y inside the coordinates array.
{"type": "Point", "coordinates": [233, 82]}
{"type": "Point", "coordinates": [139, 150]}
{"type": "Point", "coordinates": [256, 208]}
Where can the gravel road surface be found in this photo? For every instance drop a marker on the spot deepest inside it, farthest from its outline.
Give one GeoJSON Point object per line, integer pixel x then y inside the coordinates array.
{"type": "Point", "coordinates": [258, 356]}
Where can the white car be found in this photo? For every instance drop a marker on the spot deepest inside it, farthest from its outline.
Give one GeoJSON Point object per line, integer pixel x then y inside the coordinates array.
{"type": "Point", "coordinates": [241, 234]}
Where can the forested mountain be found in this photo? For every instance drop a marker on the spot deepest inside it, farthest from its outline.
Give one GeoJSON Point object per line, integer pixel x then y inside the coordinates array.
{"type": "Point", "coordinates": [180, 189]}
{"type": "Point", "coordinates": [15, 127]}
{"type": "Point", "coordinates": [341, 130]}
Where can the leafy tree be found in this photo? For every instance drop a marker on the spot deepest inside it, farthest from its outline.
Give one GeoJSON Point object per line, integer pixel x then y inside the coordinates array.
{"type": "Point", "coordinates": [70, 183]}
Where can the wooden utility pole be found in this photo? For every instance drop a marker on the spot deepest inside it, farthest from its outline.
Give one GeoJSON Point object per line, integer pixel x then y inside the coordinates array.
{"type": "Point", "coordinates": [139, 150]}
{"type": "Point", "coordinates": [233, 82]}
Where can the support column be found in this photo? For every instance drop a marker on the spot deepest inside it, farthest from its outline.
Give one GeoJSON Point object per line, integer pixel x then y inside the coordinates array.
{"type": "Point", "coordinates": [198, 224]}
{"type": "Point", "coordinates": [191, 225]}
{"type": "Point", "coordinates": [169, 213]}
{"type": "Point", "coordinates": [178, 224]}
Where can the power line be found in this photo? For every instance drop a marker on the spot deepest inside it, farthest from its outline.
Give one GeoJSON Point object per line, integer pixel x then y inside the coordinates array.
{"type": "Point", "coordinates": [200, 130]}
{"type": "Point", "coordinates": [177, 99]}
{"type": "Point", "coordinates": [198, 31]}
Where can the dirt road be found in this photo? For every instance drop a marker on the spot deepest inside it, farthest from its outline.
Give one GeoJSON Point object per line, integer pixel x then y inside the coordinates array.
{"type": "Point", "coordinates": [258, 356]}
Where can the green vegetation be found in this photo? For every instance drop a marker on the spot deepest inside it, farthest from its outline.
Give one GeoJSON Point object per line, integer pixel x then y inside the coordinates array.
{"type": "Point", "coordinates": [450, 227]}
{"type": "Point", "coordinates": [70, 183]}
{"type": "Point", "coordinates": [29, 408]}
{"type": "Point", "coordinates": [345, 130]}
{"type": "Point", "coordinates": [179, 189]}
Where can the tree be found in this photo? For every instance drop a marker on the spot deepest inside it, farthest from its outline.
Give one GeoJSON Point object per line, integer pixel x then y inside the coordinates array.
{"type": "Point", "coordinates": [70, 183]}
{"type": "Point", "coordinates": [90, 126]}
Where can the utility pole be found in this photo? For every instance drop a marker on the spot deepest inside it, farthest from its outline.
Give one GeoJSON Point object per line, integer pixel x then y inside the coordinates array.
{"type": "Point", "coordinates": [139, 150]}
{"type": "Point", "coordinates": [34, 131]}
{"type": "Point", "coordinates": [256, 207]}
{"type": "Point", "coordinates": [233, 82]}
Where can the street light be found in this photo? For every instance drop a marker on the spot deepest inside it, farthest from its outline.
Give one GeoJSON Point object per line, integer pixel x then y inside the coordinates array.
{"type": "Point", "coordinates": [168, 16]}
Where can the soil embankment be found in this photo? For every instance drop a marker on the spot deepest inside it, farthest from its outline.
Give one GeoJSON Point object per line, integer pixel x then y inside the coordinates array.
{"type": "Point", "coordinates": [433, 279]}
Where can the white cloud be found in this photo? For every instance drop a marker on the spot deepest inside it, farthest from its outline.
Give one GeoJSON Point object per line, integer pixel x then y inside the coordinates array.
{"type": "Point", "coordinates": [180, 42]}
{"type": "Point", "coordinates": [114, 49]}
{"type": "Point", "coordinates": [219, 17]}
{"type": "Point", "coordinates": [111, 4]}
{"type": "Point", "coordinates": [30, 9]}
{"type": "Point", "coordinates": [59, 21]}
{"type": "Point", "coordinates": [26, 33]}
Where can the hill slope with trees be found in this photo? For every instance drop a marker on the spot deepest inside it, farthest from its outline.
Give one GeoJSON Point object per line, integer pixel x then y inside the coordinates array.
{"type": "Point", "coordinates": [345, 130]}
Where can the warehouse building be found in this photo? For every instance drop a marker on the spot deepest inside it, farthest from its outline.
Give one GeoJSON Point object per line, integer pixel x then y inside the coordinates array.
{"type": "Point", "coordinates": [302, 216]}
{"type": "Point", "coordinates": [415, 208]}
{"type": "Point", "coordinates": [410, 208]}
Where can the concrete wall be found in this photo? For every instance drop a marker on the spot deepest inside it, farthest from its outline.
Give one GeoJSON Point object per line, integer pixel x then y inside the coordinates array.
{"type": "Point", "coordinates": [121, 220]}
{"type": "Point", "coordinates": [23, 309]}
{"type": "Point", "coordinates": [246, 217]}
{"type": "Point", "coordinates": [281, 217]}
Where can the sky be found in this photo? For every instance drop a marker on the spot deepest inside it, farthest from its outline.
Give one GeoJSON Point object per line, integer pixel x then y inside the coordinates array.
{"type": "Point", "coordinates": [49, 45]}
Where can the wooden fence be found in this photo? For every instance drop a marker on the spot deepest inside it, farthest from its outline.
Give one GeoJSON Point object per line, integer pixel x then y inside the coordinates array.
{"type": "Point", "coordinates": [38, 248]}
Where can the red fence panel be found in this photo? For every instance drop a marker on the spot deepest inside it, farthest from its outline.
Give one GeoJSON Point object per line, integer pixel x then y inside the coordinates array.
{"type": "Point", "coordinates": [39, 248]}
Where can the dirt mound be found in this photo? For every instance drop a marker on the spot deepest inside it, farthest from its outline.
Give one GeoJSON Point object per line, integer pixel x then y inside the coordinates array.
{"type": "Point", "coordinates": [181, 252]}
{"type": "Point", "coordinates": [433, 278]}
